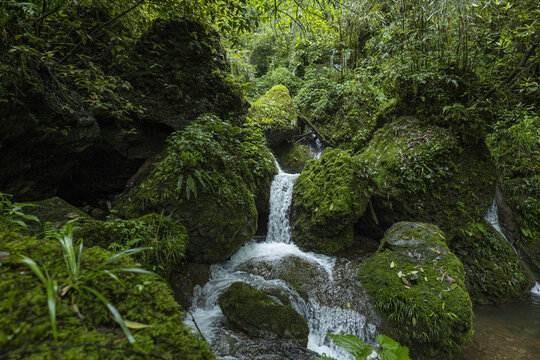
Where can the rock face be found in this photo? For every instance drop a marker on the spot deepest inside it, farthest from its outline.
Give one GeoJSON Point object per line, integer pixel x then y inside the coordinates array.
{"type": "Point", "coordinates": [25, 322]}
{"type": "Point", "coordinates": [276, 114]}
{"type": "Point", "coordinates": [292, 157]}
{"type": "Point", "coordinates": [328, 199]}
{"type": "Point", "coordinates": [210, 177]}
{"type": "Point", "coordinates": [516, 154]}
{"type": "Point", "coordinates": [419, 285]}
{"type": "Point", "coordinates": [494, 272]}
{"type": "Point", "coordinates": [53, 142]}
{"type": "Point", "coordinates": [259, 315]}
{"type": "Point", "coordinates": [422, 173]}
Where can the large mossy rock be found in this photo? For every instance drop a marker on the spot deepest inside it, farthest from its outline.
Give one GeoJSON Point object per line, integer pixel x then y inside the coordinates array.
{"type": "Point", "coordinates": [166, 239]}
{"type": "Point", "coordinates": [212, 176]}
{"type": "Point", "coordinates": [25, 330]}
{"type": "Point", "coordinates": [178, 71]}
{"type": "Point", "coordinates": [494, 271]}
{"type": "Point", "coordinates": [292, 157]}
{"type": "Point", "coordinates": [276, 114]}
{"type": "Point", "coordinates": [260, 315]}
{"type": "Point", "coordinates": [516, 151]}
{"type": "Point", "coordinates": [63, 134]}
{"type": "Point", "coordinates": [423, 173]}
{"type": "Point", "coordinates": [328, 199]}
{"type": "Point", "coordinates": [419, 285]}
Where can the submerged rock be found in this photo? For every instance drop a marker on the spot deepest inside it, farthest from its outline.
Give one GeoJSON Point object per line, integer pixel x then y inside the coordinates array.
{"type": "Point", "coordinates": [329, 197]}
{"type": "Point", "coordinates": [494, 272]}
{"type": "Point", "coordinates": [275, 113]}
{"type": "Point", "coordinates": [422, 173]}
{"type": "Point", "coordinates": [81, 318]}
{"type": "Point", "coordinates": [419, 285]}
{"type": "Point", "coordinates": [210, 177]}
{"type": "Point", "coordinates": [260, 315]}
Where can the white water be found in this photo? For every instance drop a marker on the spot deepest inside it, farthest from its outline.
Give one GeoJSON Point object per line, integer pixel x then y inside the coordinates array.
{"type": "Point", "coordinates": [492, 217]}
{"type": "Point", "coordinates": [332, 301]}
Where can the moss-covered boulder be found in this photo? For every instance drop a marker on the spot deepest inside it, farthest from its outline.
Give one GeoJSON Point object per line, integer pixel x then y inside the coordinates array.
{"type": "Point", "coordinates": [423, 173]}
{"type": "Point", "coordinates": [292, 157]}
{"type": "Point", "coordinates": [494, 272]}
{"type": "Point", "coordinates": [275, 113]}
{"type": "Point", "coordinates": [260, 315]}
{"type": "Point", "coordinates": [516, 151]}
{"type": "Point", "coordinates": [419, 285]}
{"type": "Point", "coordinates": [179, 71]}
{"type": "Point", "coordinates": [55, 211]}
{"type": "Point", "coordinates": [166, 237]}
{"type": "Point", "coordinates": [86, 329]}
{"type": "Point", "coordinates": [211, 177]}
{"type": "Point", "coordinates": [328, 199]}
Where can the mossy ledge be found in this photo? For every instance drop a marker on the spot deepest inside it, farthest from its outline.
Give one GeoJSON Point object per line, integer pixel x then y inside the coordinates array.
{"type": "Point", "coordinates": [25, 330]}
{"type": "Point", "coordinates": [419, 285]}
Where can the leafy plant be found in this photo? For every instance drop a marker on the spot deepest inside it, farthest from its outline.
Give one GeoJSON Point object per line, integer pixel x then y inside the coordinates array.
{"type": "Point", "coordinates": [389, 349]}
{"type": "Point", "coordinates": [12, 214]}
{"type": "Point", "coordinates": [76, 283]}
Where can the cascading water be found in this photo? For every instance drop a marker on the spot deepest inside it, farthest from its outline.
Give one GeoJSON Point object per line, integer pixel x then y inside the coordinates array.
{"type": "Point", "coordinates": [492, 217]}
{"type": "Point", "coordinates": [326, 291]}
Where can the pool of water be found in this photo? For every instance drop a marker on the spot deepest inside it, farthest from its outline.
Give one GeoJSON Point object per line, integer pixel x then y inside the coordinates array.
{"type": "Point", "coordinates": [510, 331]}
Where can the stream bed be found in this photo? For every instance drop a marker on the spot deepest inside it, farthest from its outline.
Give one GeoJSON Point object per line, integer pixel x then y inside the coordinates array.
{"type": "Point", "coordinates": [510, 331]}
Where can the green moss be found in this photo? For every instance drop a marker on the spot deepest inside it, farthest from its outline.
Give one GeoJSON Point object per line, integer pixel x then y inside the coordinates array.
{"type": "Point", "coordinates": [54, 210]}
{"type": "Point", "coordinates": [292, 157]}
{"type": "Point", "coordinates": [328, 198]}
{"type": "Point", "coordinates": [516, 151]}
{"type": "Point", "coordinates": [211, 177]}
{"type": "Point", "coordinates": [419, 285]}
{"type": "Point", "coordinates": [25, 331]}
{"type": "Point", "coordinates": [167, 238]}
{"type": "Point", "coordinates": [424, 174]}
{"type": "Point", "coordinates": [259, 315]}
{"type": "Point", "coordinates": [494, 272]}
{"type": "Point", "coordinates": [275, 113]}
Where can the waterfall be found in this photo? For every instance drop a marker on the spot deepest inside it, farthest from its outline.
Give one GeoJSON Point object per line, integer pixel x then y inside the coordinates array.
{"type": "Point", "coordinates": [492, 216]}
{"type": "Point", "coordinates": [330, 297]}
{"type": "Point", "coordinates": [280, 201]}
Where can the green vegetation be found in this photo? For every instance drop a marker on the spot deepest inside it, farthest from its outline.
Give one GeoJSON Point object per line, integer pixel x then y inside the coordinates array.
{"type": "Point", "coordinates": [212, 177]}
{"type": "Point", "coordinates": [515, 145]}
{"type": "Point", "coordinates": [259, 315]}
{"type": "Point", "coordinates": [419, 285]}
{"type": "Point", "coordinates": [165, 238]}
{"type": "Point", "coordinates": [431, 108]}
{"type": "Point", "coordinates": [390, 349]}
{"type": "Point", "coordinates": [74, 289]}
{"type": "Point", "coordinates": [328, 199]}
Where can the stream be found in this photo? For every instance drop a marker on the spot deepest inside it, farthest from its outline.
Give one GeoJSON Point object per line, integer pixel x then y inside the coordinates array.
{"type": "Point", "coordinates": [321, 288]}
{"type": "Point", "coordinates": [325, 291]}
